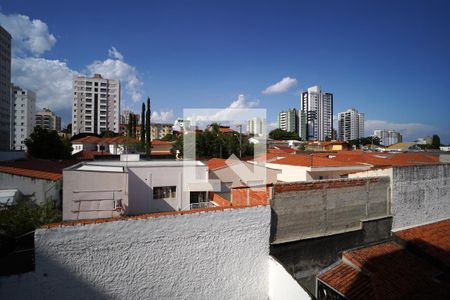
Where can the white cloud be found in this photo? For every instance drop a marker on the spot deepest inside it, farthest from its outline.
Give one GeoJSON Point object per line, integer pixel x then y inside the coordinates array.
{"type": "Point", "coordinates": [113, 53]}
{"type": "Point", "coordinates": [30, 36]}
{"type": "Point", "coordinates": [409, 131]}
{"type": "Point", "coordinates": [162, 116]}
{"type": "Point", "coordinates": [50, 79]}
{"type": "Point", "coordinates": [282, 86]}
{"type": "Point", "coordinates": [115, 68]}
{"type": "Point", "coordinates": [241, 102]}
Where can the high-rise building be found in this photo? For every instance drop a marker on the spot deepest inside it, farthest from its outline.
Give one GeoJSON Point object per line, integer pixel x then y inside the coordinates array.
{"type": "Point", "coordinates": [288, 120]}
{"type": "Point", "coordinates": [302, 125]}
{"type": "Point", "coordinates": [47, 119]}
{"type": "Point", "coordinates": [125, 117]}
{"type": "Point", "coordinates": [24, 110]}
{"type": "Point", "coordinates": [318, 109]}
{"type": "Point", "coordinates": [180, 125]}
{"type": "Point", "coordinates": [256, 126]}
{"type": "Point", "coordinates": [388, 137]}
{"type": "Point", "coordinates": [6, 128]}
{"type": "Point", "coordinates": [96, 104]}
{"type": "Point", "coordinates": [350, 125]}
{"type": "Point", "coordinates": [159, 130]}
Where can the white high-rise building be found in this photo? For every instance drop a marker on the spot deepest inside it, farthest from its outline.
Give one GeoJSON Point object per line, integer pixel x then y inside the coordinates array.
{"type": "Point", "coordinates": [96, 105]}
{"type": "Point", "coordinates": [318, 110]}
{"type": "Point", "coordinates": [6, 128]}
{"type": "Point", "coordinates": [288, 120]}
{"type": "Point", "coordinates": [256, 126]}
{"type": "Point", "coordinates": [350, 125]}
{"type": "Point", "coordinates": [24, 110]}
{"type": "Point", "coordinates": [388, 137]}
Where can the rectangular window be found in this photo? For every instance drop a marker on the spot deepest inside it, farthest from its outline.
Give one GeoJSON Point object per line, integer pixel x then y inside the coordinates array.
{"type": "Point", "coordinates": [164, 192]}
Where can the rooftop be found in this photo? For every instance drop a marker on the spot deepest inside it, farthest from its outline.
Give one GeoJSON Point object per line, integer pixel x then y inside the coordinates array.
{"type": "Point", "coordinates": [36, 168]}
{"type": "Point", "coordinates": [390, 270]}
{"type": "Point", "coordinates": [119, 166]}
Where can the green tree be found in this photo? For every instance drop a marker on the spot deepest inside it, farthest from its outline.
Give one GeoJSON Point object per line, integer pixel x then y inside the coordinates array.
{"type": "Point", "coordinates": [280, 134]}
{"type": "Point", "coordinates": [147, 127]}
{"type": "Point", "coordinates": [370, 140]}
{"type": "Point", "coordinates": [81, 135]}
{"type": "Point", "coordinates": [48, 145]}
{"type": "Point", "coordinates": [130, 125]}
{"type": "Point", "coordinates": [169, 137]}
{"type": "Point", "coordinates": [108, 133]}
{"type": "Point", "coordinates": [143, 126]}
{"type": "Point", "coordinates": [435, 142]}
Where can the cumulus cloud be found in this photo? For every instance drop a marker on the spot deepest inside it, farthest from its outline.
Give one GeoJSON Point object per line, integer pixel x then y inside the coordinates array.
{"type": "Point", "coordinates": [115, 68]}
{"type": "Point", "coordinates": [163, 116]}
{"type": "Point", "coordinates": [241, 102]}
{"type": "Point", "coordinates": [50, 79]}
{"type": "Point", "coordinates": [409, 131]}
{"type": "Point", "coordinates": [282, 86]}
{"type": "Point", "coordinates": [113, 53]}
{"type": "Point", "coordinates": [30, 36]}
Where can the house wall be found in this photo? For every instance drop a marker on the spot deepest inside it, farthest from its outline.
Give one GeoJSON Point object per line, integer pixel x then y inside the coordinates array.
{"type": "Point", "coordinates": [207, 255]}
{"type": "Point", "coordinates": [420, 194]}
{"type": "Point", "coordinates": [226, 174]}
{"type": "Point", "coordinates": [304, 210]}
{"type": "Point", "coordinates": [100, 188]}
{"type": "Point", "coordinates": [291, 173]}
{"type": "Point", "coordinates": [40, 190]}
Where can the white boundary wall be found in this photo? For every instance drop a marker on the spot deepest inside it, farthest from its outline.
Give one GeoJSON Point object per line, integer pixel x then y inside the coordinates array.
{"type": "Point", "coordinates": [282, 286]}
{"type": "Point", "coordinates": [207, 255]}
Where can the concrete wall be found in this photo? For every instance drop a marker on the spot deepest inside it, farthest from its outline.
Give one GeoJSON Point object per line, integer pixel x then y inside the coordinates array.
{"type": "Point", "coordinates": [97, 190]}
{"type": "Point", "coordinates": [282, 286]}
{"type": "Point", "coordinates": [304, 210]}
{"type": "Point", "coordinates": [291, 173]}
{"type": "Point", "coordinates": [420, 194]}
{"type": "Point", "coordinates": [40, 190]}
{"type": "Point", "coordinates": [207, 255]}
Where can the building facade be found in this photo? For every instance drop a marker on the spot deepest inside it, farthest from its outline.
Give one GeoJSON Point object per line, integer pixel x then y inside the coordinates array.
{"type": "Point", "coordinates": [48, 120]}
{"type": "Point", "coordinates": [256, 126]}
{"type": "Point", "coordinates": [288, 120]}
{"type": "Point", "coordinates": [388, 137]}
{"type": "Point", "coordinates": [125, 117]}
{"type": "Point", "coordinates": [5, 90]}
{"type": "Point", "coordinates": [318, 109]}
{"type": "Point", "coordinates": [24, 110]}
{"type": "Point", "coordinates": [96, 105]}
{"type": "Point", "coordinates": [350, 125]}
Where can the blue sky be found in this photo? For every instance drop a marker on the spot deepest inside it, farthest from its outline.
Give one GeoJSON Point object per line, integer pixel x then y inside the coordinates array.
{"type": "Point", "coordinates": [388, 59]}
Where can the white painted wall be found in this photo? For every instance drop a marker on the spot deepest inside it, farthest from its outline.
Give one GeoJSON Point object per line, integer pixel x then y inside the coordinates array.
{"type": "Point", "coordinates": [290, 173]}
{"type": "Point", "coordinates": [40, 190]}
{"type": "Point", "coordinates": [282, 286]}
{"type": "Point", "coordinates": [208, 255]}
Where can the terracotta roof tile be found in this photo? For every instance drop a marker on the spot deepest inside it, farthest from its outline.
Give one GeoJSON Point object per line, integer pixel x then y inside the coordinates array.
{"type": "Point", "coordinates": [36, 168]}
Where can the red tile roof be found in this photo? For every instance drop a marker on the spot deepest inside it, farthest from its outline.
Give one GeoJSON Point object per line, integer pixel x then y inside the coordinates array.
{"type": "Point", "coordinates": [90, 155]}
{"type": "Point", "coordinates": [312, 160]}
{"type": "Point", "coordinates": [97, 140]}
{"type": "Point", "coordinates": [281, 150]}
{"type": "Point", "coordinates": [36, 168]}
{"type": "Point", "coordinates": [433, 239]}
{"type": "Point", "coordinates": [160, 142]}
{"type": "Point", "coordinates": [391, 271]}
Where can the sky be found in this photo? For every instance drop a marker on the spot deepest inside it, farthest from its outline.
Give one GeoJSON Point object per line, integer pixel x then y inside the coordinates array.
{"type": "Point", "coordinates": [387, 59]}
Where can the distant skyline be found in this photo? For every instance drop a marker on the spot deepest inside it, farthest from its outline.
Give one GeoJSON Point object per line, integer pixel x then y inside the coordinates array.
{"type": "Point", "coordinates": [388, 59]}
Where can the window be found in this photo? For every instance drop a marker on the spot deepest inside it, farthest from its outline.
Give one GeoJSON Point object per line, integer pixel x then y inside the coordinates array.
{"type": "Point", "coordinates": [164, 192]}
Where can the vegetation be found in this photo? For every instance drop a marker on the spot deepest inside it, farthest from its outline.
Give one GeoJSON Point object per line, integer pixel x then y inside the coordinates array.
{"type": "Point", "coordinates": [48, 145]}
{"type": "Point", "coordinates": [82, 135]}
{"type": "Point", "coordinates": [169, 137]}
{"type": "Point", "coordinates": [370, 140]}
{"type": "Point", "coordinates": [143, 126]}
{"type": "Point", "coordinates": [109, 133]}
{"type": "Point", "coordinates": [212, 143]}
{"type": "Point", "coordinates": [23, 218]}
{"type": "Point", "coordinates": [435, 142]}
{"type": "Point", "coordinates": [147, 127]}
{"type": "Point", "coordinates": [280, 134]}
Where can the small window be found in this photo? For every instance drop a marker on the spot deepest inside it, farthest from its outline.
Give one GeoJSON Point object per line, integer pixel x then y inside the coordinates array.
{"type": "Point", "coordinates": [164, 192]}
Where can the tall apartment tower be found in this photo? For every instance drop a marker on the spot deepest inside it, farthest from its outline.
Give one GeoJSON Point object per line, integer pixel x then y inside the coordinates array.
{"type": "Point", "coordinates": [318, 110]}
{"type": "Point", "coordinates": [256, 126]}
{"type": "Point", "coordinates": [47, 119]}
{"type": "Point", "coordinates": [96, 105]}
{"type": "Point", "coordinates": [388, 137]}
{"type": "Point", "coordinates": [350, 125]}
{"type": "Point", "coordinates": [6, 128]}
{"type": "Point", "coordinates": [288, 120]}
{"type": "Point", "coordinates": [24, 110]}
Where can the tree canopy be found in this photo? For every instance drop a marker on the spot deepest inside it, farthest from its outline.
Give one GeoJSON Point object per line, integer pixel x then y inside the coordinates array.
{"type": "Point", "coordinates": [365, 141]}
{"type": "Point", "coordinates": [48, 145]}
{"type": "Point", "coordinates": [280, 134]}
{"type": "Point", "coordinates": [435, 142]}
